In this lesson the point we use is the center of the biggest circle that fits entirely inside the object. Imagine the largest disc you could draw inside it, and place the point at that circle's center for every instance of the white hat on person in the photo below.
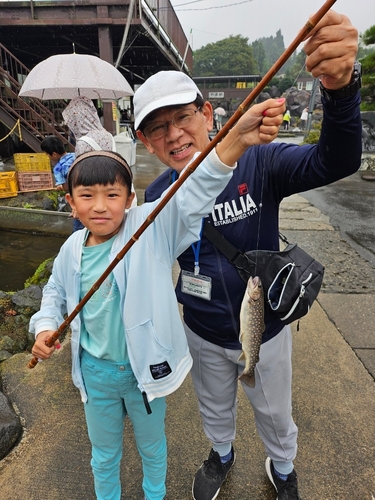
(166, 88)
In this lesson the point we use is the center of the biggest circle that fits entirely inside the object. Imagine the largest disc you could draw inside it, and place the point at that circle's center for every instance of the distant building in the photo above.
(305, 83)
(218, 89)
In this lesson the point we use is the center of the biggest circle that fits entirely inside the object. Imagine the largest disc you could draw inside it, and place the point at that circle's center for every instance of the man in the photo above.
(304, 117)
(246, 213)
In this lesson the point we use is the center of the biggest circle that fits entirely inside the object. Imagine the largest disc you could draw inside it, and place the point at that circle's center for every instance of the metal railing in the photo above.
(36, 118)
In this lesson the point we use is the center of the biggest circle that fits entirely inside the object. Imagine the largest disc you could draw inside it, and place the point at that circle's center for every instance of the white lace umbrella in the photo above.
(220, 111)
(65, 76)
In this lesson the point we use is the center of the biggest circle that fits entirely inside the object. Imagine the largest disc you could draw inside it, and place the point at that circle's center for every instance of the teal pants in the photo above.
(112, 395)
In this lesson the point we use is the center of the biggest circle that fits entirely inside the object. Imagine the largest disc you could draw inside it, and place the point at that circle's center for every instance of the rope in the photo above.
(17, 124)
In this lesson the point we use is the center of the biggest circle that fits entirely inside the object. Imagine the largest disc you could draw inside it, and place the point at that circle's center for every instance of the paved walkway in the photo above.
(334, 402)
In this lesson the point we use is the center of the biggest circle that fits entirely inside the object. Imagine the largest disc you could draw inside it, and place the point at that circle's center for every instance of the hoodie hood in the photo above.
(82, 119)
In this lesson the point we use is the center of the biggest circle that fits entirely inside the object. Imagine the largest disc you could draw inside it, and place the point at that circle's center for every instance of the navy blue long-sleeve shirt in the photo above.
(247, 214)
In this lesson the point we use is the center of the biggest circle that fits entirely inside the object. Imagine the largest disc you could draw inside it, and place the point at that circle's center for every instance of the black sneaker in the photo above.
(286, 490)
(210, 476)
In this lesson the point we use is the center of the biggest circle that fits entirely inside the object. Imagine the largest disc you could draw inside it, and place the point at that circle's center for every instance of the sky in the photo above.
(212, 20)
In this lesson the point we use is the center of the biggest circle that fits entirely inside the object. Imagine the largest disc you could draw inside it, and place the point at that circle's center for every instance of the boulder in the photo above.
(368, 131)
(10, 426)
(28, 298)
(298, 100)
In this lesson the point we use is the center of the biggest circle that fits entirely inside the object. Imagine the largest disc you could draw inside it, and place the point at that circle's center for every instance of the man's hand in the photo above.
(331, 50)
(74, 214)
(40, 350)
(259, 125)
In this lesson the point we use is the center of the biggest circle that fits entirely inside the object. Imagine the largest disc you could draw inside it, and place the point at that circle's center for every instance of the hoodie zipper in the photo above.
(146, 403)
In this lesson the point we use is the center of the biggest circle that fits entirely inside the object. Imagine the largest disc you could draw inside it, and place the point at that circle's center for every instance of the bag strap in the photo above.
(235, 256)
(283, 238)
(95, 146)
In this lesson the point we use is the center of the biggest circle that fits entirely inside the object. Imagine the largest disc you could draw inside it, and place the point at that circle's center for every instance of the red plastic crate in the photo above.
(34, 181)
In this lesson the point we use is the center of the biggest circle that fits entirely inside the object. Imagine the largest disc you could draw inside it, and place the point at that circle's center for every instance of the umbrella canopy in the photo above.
(220, 111)
(65, 76)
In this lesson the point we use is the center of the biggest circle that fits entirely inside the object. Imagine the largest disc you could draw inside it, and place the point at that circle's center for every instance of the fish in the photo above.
(251, 328)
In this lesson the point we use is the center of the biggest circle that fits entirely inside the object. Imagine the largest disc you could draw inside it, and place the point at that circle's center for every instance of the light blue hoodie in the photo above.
(154, 333)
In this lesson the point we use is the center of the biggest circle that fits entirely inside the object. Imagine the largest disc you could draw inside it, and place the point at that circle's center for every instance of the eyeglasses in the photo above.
(181, 119)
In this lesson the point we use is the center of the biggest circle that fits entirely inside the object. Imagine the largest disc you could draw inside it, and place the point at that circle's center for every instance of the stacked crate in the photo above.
(8, 184)
(33, 171)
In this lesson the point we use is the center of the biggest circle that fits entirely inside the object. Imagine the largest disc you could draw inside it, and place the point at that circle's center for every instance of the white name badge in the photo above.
(196, 284)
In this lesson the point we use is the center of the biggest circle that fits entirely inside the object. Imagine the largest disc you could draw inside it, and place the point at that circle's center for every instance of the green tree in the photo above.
(259, 56)
(368, 69)
(363, 51)
(273, 47)
(281, 83)
(231, 56)
(285, 84)
(368, 36)
(235, 56)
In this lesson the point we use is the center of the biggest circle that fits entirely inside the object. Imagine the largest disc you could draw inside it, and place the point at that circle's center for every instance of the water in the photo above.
(20, 256)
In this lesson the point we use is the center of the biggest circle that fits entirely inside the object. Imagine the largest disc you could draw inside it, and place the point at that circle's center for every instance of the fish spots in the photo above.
(251, 328)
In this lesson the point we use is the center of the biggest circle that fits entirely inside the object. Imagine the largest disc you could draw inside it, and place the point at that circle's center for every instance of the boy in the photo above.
(129, 348)
(60, 159)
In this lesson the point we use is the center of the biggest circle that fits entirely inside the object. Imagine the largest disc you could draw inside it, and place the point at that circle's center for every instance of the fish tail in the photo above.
(247, 379)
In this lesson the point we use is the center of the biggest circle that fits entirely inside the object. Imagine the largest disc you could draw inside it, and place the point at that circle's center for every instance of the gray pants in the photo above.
(214, 373)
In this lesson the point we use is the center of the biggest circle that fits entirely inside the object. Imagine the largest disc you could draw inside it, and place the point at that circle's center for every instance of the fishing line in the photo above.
(300, 71)
(260, 216)
(262, 184)
(289, 91)
(309, 25)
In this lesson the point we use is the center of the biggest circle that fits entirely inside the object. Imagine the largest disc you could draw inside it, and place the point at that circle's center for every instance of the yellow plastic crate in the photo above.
(32, 162)
(34, 181)
(8, 184)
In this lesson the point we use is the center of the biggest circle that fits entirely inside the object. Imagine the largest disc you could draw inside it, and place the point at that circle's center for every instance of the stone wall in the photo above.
(16, 310)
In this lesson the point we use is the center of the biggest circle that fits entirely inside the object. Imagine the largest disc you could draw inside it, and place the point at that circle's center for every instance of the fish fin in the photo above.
(242, 357)
(247, 379)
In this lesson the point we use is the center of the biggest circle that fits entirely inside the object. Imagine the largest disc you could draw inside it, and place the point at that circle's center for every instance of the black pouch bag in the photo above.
(291, 278)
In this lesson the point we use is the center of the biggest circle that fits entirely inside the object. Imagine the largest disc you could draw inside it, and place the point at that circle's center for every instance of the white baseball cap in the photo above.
(166, 88)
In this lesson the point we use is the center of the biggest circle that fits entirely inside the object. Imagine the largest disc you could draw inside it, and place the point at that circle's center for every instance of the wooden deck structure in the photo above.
(140, 37)
(35, 30)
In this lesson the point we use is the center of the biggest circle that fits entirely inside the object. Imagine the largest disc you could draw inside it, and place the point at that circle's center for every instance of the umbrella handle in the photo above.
(310, 24)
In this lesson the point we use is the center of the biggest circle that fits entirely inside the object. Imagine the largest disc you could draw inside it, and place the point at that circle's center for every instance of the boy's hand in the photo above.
(259, 125)
(40, 350)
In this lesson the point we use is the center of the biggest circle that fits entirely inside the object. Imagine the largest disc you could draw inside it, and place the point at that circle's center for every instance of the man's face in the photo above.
(179, 145)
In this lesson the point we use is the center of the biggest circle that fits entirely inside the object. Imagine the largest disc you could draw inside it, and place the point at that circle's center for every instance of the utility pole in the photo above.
(311, 106)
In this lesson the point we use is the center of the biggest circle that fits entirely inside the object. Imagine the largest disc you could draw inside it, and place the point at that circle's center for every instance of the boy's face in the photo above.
(100, 209)
(179, 145)
(54, 158)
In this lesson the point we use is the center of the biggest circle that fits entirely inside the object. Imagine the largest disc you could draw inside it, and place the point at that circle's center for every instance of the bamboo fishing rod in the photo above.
(243, 107)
